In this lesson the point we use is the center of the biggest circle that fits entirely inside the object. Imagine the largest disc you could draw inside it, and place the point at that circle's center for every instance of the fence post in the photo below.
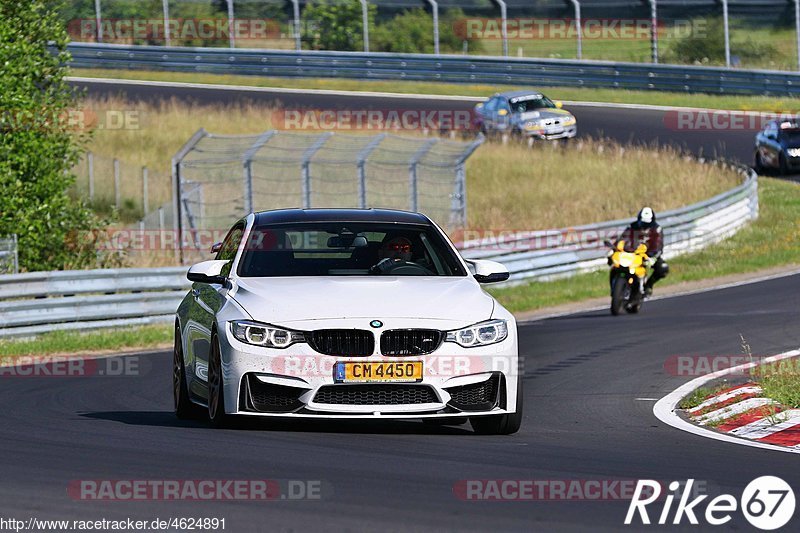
(145, 200)
(365, 23)
(654, 30)
(98, 19)
(16, 253)
(296, 14)
(231, 38)
(177, 161)
(248, 168)
(727, 33)
(577, 8)
(503, 25)
(413, 185)
(161, 220)
(305, 164)
(435, 9)
(797, 29)
(117, 186)
(165, 6)
(90, 164)
(362, 173)
(458, 207)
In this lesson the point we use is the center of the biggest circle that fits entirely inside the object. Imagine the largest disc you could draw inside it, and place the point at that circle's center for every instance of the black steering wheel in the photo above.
(401, 268)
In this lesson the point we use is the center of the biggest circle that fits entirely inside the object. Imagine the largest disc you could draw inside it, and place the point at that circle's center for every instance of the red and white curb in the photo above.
(739, 414)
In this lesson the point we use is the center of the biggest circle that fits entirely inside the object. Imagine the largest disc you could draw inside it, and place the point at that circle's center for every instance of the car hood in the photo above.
(292, 299)
(543, 113)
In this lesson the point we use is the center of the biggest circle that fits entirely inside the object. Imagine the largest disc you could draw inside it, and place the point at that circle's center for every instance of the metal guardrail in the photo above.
(444, 68)
(549, 254)
(38, 302)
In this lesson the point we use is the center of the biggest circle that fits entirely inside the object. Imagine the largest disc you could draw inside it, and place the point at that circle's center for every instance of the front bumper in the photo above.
(553, 133)
(298, 382)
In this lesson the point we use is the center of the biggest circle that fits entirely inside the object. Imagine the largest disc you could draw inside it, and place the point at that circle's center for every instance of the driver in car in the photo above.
(395, 250)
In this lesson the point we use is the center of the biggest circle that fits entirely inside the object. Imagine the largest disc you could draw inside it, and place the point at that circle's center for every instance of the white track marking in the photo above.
(665, 408)
(732, 410)
(767, 426)
(726, 396)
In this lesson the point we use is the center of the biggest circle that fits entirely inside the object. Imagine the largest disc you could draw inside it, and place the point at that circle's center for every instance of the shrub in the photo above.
(38, 146)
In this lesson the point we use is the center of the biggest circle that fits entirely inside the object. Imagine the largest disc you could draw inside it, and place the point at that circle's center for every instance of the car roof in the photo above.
(515, 94)
(283, 216)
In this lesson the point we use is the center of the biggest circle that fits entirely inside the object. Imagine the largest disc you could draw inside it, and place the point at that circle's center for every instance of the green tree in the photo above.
(38, 142)
(412, 32)
(706, 44)
(335, 26)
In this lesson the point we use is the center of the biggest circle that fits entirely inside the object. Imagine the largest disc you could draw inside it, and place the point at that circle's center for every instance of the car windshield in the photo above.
(792, 135)
(348, 249)
(529, 103)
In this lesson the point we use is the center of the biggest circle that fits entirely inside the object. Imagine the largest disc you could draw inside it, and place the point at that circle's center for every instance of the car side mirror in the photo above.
(208, 272)
(489, 271)
(559, 104)
(216, 247)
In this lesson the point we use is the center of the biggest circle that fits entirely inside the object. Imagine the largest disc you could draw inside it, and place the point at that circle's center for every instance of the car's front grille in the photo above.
(480, 396)
(344, 342)
(375, 394)
(271, 398)
(410, 341)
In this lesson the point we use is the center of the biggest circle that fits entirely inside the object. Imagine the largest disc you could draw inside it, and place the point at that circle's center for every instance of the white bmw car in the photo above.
(346, 313)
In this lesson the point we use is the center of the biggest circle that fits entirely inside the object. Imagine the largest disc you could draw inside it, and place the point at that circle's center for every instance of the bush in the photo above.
(412, 32)
(37, 144)
(708, 45)
(336, 26)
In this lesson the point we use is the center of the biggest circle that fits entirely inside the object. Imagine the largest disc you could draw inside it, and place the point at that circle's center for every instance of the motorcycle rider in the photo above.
(645, 230)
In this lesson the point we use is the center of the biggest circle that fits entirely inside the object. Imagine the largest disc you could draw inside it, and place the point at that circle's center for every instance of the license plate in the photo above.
(405, 372)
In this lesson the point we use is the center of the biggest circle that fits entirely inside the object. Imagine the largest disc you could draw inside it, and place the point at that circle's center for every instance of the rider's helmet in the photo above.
(646, 216)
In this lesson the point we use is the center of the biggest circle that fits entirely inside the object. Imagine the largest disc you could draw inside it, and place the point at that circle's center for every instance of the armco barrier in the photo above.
(38, 302)
(44, 301)
(549, 254)
(445, 68)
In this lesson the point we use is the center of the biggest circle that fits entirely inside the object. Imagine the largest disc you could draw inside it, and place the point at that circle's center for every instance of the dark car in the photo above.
(527, 114)
(778, 147)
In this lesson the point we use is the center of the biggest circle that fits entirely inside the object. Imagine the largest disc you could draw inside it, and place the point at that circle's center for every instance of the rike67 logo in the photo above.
(767, 503)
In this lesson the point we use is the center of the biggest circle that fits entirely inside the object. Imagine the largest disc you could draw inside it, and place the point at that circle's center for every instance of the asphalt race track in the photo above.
(590, 384)
(584, 376)
(625, 125)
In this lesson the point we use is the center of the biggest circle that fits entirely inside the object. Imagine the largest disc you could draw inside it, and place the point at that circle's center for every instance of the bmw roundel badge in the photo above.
(376, 324)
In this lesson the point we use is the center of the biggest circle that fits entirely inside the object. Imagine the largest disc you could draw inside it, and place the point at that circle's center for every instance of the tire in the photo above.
(500, 424)
(618, 296)
(216, 388)
(783, 167)
(758, 165)
(184, 408)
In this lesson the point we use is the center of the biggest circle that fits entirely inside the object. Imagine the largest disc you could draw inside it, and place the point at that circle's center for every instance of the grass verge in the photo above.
(770, 241)
(780, 381)
(711, 101)
(73, 342)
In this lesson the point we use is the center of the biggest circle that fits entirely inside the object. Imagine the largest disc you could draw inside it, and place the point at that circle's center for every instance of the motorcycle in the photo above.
(628, 275)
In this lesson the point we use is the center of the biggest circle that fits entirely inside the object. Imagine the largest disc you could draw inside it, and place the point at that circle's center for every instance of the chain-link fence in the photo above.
(9, 259)
(222, 177)
(736, 33)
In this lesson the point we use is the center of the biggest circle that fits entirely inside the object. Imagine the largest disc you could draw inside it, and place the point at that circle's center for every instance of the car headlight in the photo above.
(793, 152)
(265, 335)
(569, 121)
(490, 332)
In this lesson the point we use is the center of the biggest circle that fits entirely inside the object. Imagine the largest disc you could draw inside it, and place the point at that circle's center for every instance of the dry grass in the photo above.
(510, 186)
